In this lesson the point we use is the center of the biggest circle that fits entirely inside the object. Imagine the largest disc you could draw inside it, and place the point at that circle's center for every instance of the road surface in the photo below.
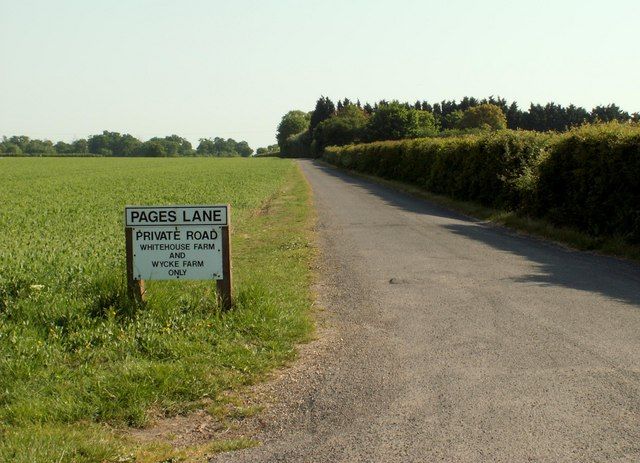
(461, 342)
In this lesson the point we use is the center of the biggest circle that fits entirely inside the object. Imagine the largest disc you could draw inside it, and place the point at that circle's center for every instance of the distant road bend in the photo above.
(461, 342)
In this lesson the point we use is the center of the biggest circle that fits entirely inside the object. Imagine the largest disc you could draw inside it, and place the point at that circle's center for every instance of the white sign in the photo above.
(177, 242)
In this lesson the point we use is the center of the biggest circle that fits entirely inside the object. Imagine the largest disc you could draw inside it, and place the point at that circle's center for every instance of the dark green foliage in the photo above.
(608, 113)
(347, 126)
(116, 144)
(174, 145)
(541, 118)
(152, 148)
(324, 110)
(452, 120)
(297, 146)
(271, 150)
(587, 178)
(113, 144)
(23, 145)
(221, 147)
(292, 123)
(396, 121)
(591, 180)
(80, 146)
(10, 149)
(64, 148)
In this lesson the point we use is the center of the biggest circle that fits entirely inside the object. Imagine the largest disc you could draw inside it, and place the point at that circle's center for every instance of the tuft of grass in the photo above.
(229, 445)
(614, 246)
(73, 349)
(159, 452)
(233, 408)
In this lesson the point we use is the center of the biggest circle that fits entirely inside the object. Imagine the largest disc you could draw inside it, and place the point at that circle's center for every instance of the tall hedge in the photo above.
(588, 177)
(494, 169)
(591, 180)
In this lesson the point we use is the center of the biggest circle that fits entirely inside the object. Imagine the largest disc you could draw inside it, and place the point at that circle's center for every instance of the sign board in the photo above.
(177, 242)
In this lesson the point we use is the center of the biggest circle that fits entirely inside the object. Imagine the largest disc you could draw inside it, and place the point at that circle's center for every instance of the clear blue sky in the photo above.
(71, 68)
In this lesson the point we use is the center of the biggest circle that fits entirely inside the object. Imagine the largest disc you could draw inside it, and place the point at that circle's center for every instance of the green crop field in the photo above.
(79, 363)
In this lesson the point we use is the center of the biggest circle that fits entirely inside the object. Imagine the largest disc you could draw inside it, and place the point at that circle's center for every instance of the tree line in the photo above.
(308, 133)
(117, 144)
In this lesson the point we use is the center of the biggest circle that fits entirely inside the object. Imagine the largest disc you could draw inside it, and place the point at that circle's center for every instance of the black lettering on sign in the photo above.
(165, 263)
(202, 215)
(153, 216)
(204, 246)
(153, 235)
(193, 263)
(202, 235)
(177, 255)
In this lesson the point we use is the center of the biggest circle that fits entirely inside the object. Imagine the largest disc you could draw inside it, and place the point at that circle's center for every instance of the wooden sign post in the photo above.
(135, 287)
(225, 299)
(179, 243)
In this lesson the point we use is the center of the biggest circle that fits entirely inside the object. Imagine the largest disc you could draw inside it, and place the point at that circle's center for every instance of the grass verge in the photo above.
(566, 236)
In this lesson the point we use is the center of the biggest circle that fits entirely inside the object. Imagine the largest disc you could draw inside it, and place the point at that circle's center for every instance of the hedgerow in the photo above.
(588, 177)
(591, 180)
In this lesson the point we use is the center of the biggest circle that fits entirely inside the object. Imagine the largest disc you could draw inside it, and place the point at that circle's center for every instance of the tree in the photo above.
(395, 121)
(534, 118)
(347, 126)
(514, 116)
(452, 120)
(21, 141)
(292, 123)
(12, 149)
(575, 116)
(486, 115)
(63, 148)
(265, 150)
(609, 113)
(466, 103)
(154, 148)
(178, 146)
(172, 145)
(496, 101)
(39, 147)
(244, 149)
(113, 144)
(205, 147)
(80, 146)
(324, 110)
(221, 147)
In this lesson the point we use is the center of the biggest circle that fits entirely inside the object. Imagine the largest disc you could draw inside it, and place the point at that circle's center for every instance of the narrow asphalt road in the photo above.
(461, 342)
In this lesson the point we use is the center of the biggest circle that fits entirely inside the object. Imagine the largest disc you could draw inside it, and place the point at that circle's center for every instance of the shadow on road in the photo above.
(614, 278)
